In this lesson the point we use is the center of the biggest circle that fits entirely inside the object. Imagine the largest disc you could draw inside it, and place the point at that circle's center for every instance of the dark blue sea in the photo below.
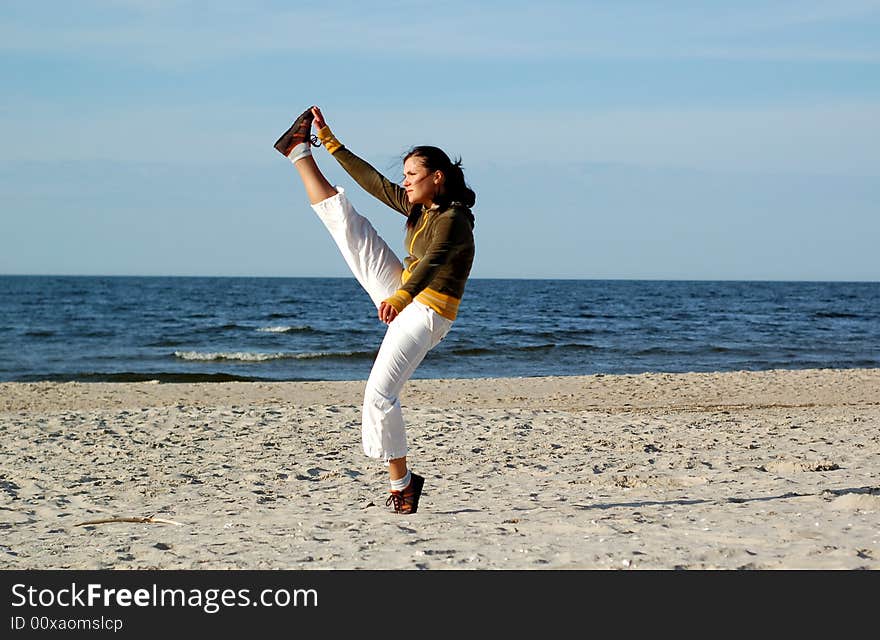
(203, 329)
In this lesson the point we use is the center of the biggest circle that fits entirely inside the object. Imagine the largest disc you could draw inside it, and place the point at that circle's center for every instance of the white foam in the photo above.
(243, 356)
(249, 356)
(284, 329)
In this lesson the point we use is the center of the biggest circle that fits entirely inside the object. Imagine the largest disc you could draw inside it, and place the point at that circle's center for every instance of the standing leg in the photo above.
(409, 338)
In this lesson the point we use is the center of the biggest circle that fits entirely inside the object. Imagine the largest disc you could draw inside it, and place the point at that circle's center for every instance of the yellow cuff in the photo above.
(329, 140)
(399, 300)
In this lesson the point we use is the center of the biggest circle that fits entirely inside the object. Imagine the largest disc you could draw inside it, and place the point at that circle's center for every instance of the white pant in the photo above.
(415, 331)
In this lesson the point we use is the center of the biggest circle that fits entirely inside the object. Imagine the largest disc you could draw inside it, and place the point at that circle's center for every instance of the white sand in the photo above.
(766, 470)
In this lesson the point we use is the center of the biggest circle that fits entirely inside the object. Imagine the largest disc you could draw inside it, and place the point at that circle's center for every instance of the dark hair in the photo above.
(455, 189)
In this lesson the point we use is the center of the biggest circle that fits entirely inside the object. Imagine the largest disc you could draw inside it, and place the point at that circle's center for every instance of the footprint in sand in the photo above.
(863, 499)
(675, 482)
(783, 467)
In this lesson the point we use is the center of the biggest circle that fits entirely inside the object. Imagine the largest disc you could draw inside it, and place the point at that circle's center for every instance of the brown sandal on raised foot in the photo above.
(300, 131)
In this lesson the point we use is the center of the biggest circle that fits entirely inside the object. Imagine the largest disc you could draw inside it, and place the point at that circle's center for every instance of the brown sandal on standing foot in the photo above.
(407, 500)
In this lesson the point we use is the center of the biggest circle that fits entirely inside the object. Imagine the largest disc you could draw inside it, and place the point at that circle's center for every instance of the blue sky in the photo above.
(679, 140)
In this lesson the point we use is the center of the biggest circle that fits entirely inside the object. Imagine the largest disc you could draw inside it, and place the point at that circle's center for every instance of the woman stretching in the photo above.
(418, 299)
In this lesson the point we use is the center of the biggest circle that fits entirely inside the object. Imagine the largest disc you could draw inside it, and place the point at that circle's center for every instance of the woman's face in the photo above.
(420, 184)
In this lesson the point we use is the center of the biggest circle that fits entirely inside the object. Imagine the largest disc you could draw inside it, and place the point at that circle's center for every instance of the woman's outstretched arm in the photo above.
(364, 174)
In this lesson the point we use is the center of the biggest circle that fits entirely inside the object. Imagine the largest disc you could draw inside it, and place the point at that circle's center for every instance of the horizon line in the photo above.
(572, 278)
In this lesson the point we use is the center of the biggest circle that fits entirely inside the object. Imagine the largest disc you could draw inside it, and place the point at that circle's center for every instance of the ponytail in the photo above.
(456, 188)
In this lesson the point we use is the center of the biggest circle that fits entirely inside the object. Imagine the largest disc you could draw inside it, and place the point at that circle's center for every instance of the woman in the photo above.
(418, 299)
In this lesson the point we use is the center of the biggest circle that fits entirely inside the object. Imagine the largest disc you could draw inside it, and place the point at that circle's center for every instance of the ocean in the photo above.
(191, 329)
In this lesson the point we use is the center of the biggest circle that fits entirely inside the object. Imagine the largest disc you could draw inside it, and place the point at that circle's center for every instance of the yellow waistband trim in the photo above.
(445, 305)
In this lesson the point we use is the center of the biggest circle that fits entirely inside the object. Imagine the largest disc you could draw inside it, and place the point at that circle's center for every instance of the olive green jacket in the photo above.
(440, 244)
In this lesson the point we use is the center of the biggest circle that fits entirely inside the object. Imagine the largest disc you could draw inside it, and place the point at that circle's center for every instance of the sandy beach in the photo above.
(743, 470)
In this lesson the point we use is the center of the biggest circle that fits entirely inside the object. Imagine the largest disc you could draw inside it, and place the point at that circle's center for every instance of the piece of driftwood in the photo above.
(147, 520)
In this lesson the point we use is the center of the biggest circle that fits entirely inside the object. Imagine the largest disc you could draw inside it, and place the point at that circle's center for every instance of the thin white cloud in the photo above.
(831, 139)
(181, 33)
